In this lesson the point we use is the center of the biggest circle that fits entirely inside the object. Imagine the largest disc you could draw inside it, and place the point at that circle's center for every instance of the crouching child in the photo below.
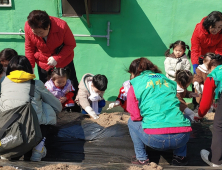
(90, 94)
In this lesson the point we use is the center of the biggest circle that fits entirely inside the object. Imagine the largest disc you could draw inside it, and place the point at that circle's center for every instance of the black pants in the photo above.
(72, 77)
(216, 145)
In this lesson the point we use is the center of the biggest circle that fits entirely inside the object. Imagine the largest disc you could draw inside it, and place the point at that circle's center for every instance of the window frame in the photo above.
(7, 5)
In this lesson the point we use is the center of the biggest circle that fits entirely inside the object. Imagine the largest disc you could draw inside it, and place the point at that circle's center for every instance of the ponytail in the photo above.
(63, 72)
(187, 47)
(184, 77)
(168, 51)
(182, 44)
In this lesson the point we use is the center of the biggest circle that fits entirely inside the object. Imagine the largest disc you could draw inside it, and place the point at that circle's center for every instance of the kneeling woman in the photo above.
(15, 92)
(156, 119)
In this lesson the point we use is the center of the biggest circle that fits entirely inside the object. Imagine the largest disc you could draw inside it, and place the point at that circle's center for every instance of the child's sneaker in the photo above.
(139, 162)
(179, 160)
(38, 155)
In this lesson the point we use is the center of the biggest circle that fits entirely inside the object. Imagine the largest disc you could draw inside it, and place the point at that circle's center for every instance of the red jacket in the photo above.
(122, 98)
(203, 42)
(207, 97)
(36, 50)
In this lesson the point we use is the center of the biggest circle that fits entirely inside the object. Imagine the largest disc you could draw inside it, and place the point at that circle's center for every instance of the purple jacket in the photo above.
(57, 92)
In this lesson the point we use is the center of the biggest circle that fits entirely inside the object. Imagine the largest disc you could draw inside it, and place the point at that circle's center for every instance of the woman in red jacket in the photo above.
(207, 37)
(49, 43)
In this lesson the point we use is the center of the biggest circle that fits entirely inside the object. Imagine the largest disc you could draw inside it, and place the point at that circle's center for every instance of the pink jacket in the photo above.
(36, 50)
(57, 92)
(203, 42)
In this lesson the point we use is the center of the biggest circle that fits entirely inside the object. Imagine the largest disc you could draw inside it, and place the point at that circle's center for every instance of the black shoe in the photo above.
(179, 160)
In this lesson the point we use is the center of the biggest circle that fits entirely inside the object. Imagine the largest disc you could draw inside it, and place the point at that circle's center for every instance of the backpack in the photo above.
(19, 129)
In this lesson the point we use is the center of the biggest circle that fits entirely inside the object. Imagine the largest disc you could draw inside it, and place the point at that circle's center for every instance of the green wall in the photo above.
(144, 28)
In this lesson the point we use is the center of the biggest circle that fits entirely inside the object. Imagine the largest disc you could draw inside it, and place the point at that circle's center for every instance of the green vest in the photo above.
(216, 74)
(158, 104)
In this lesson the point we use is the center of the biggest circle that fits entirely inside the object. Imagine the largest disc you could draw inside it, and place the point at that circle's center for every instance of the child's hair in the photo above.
(215, 61)
(141, 64)
(1, 68)
(182, 44)
(203, 58)
(63, 72)
(7, 54)
(183, 77)
(100, 82)
(211, 19)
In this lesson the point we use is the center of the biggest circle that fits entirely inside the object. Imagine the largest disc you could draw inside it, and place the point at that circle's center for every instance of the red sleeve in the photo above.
(195, 46)
(219, 48)
(132, 105)
(69, 95)
(207, 97)
(69, 44)
(30, 48)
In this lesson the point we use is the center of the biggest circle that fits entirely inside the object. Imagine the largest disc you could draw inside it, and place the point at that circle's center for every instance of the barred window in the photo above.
(77, 7)
(5, 3)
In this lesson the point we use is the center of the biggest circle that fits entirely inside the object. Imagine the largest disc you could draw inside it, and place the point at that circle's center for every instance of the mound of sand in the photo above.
(105, 119)
(60, 167)
(109, 119)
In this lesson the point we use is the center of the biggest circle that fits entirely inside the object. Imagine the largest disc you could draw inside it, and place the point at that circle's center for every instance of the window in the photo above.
(5, 3)
(77, 7)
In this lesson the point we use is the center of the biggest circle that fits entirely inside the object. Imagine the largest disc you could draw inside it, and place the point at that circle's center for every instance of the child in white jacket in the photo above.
(177, 60)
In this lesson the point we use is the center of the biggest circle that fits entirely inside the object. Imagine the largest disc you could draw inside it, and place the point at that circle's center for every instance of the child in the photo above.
(184, 79)
(201, 75)
(177, 60)
(5, 56)
(212, 91)
(90, 94)
(61, 87)
(121, 99)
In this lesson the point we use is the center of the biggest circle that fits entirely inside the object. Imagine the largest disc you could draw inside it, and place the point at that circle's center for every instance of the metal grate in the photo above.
(77, 7)
(104, 6)
(4, 2)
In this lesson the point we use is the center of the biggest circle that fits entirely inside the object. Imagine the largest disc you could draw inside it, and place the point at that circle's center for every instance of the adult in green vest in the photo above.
(212, 91)
(156, 119)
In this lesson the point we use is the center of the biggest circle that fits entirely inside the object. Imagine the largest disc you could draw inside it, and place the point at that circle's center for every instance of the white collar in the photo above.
(203, 68)
(179, 89)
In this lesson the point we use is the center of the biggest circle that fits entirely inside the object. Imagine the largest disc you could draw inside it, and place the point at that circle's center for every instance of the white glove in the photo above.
(172, 73)
(189, 113)
(52, 61)
(91, 112)
(197, 86)
(197, 117)
(114, 104)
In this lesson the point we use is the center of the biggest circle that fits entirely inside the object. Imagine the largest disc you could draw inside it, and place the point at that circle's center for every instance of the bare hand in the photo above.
(62, 99)
(193, 95)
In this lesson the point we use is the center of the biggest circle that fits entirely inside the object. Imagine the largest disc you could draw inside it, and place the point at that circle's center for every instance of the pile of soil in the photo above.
(152, 166)
(60, 167)
(209, 116)
(109, 119)
(65, 119)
